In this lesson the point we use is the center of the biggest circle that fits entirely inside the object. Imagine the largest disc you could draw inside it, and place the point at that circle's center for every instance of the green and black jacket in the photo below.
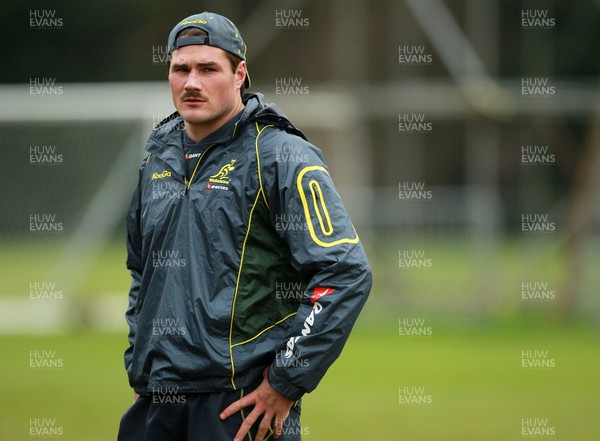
(252, 262)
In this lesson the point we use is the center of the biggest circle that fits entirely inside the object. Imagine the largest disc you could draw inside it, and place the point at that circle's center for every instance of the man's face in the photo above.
(203, 86)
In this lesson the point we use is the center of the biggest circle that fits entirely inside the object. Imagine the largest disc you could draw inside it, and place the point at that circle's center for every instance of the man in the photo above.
(247, 272)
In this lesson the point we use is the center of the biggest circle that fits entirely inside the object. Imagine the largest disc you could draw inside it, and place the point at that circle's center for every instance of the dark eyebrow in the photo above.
(207, 64)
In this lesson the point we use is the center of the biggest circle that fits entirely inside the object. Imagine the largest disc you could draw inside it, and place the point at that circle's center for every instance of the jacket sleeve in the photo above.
(325, 246)
(134, 265)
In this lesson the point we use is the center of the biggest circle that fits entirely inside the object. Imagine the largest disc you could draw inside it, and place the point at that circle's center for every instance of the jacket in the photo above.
(251, 263)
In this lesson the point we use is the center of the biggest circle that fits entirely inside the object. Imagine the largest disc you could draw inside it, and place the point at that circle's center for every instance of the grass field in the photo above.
(468, 371)
(473, 377)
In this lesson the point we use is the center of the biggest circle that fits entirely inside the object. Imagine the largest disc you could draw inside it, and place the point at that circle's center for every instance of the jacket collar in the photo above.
(166, 139)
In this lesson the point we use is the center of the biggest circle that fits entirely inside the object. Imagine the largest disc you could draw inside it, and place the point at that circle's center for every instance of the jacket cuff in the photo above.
(286, 389)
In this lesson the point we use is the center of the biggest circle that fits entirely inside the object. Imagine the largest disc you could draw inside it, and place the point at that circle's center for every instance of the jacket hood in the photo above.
(271, 114)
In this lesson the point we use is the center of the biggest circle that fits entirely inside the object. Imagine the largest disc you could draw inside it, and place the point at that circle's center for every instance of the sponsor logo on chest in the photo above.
(222, 179)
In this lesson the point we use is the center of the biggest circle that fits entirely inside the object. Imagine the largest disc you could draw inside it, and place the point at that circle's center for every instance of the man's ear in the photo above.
(240, 73)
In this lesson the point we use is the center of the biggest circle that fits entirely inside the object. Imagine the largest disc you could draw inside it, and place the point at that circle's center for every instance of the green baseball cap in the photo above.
(222, 33)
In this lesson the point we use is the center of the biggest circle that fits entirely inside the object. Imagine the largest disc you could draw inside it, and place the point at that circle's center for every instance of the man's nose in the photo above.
(193, 81)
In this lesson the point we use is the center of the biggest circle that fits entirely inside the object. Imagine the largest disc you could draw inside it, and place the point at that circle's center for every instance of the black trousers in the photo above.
(195, 417)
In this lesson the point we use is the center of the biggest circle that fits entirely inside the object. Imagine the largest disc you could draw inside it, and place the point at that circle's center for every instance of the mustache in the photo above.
(194, 95)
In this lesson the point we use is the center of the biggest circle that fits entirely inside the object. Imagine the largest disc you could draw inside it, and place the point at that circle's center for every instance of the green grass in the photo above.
(470, 366)
(478, 389)
(24, 262)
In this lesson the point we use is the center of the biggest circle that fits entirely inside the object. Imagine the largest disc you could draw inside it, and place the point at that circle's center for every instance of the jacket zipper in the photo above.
(189, 183)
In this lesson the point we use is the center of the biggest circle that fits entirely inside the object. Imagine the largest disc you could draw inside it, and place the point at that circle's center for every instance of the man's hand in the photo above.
(267, 401)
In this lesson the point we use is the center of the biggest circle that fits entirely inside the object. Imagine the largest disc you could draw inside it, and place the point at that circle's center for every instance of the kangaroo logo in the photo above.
(223, 176)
